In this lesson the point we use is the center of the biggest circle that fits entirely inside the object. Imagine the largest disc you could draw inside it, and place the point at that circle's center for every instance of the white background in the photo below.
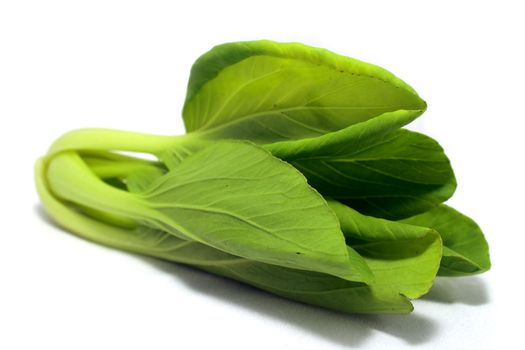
(71, 64)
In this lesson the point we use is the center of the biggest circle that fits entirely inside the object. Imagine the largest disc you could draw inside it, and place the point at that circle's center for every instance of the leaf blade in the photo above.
(358, 227)
(374, 167)
(407, 266)
(266, 91)
(404, 258)
(466, 249)
(237, 198)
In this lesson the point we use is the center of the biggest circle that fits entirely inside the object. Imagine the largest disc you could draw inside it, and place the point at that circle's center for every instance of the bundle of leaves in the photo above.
(295, 176)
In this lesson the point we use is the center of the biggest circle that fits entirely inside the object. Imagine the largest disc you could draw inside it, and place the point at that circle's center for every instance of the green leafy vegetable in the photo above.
(295, 177)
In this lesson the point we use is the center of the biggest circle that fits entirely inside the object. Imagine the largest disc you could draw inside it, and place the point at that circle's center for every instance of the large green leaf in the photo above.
(233, 196)
(238, 198)
(266, 91)
(374, 167)
(465, 251)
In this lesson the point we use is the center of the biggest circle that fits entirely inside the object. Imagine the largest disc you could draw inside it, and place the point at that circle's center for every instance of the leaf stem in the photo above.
(94, 139)
(66, 216)
(71, 179)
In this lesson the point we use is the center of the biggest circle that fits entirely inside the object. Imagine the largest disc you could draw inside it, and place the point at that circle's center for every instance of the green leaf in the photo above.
(403, 257)
(266, 91)
(406, 266)
(236, 197)
(373, 167)
(465, 251)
